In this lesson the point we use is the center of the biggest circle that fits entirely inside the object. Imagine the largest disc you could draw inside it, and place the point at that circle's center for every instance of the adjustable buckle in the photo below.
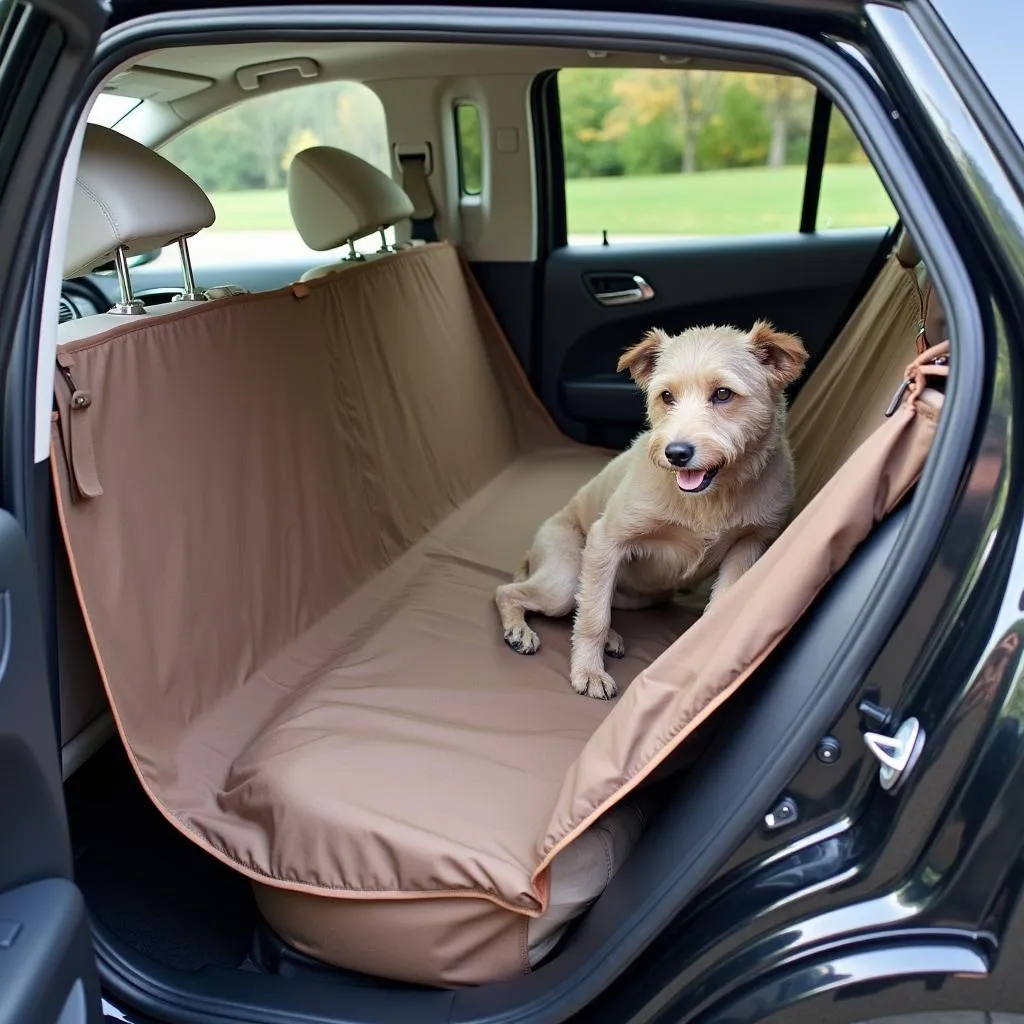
(897, 398)
(905, 385)
(79, 399)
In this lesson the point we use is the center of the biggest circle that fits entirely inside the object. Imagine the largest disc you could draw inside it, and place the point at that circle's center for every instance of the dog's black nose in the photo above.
(679, 453)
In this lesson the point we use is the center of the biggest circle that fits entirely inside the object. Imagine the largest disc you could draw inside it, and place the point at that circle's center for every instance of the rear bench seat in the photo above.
(286, 514)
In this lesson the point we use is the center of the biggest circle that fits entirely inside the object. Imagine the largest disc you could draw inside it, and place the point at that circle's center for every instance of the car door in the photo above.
(47, 968)
(679, 197)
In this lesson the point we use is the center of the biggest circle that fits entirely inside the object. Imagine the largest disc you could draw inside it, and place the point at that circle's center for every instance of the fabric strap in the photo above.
(414, 181)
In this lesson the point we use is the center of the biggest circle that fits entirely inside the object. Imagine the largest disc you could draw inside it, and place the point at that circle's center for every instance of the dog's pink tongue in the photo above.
(689, 479)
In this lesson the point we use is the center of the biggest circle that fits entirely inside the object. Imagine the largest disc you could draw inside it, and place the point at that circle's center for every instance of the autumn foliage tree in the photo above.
(654, 120)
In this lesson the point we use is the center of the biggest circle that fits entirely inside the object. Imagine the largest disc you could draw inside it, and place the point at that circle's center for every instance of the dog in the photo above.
(706, 488)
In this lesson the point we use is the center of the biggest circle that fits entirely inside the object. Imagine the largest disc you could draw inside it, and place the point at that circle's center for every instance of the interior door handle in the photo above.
(640, 291)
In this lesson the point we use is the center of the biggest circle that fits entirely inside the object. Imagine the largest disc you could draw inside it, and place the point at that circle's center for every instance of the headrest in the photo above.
(127, 195)
(906, 251)
(336, 197)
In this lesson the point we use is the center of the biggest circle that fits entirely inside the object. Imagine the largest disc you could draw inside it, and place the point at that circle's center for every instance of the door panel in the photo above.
(47, 965)
(594, 309)
(46, 960)
(46, 955)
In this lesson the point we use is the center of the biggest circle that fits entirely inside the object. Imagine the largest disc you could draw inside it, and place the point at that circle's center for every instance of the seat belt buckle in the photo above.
(939, 360)
(406, 151)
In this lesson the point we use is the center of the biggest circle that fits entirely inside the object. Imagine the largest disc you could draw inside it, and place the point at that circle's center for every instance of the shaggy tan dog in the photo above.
(708, 487)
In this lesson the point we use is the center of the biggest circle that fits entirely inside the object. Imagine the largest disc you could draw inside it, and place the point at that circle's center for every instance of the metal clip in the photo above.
(65, 372)
(79, 399)
(898, 397)
(783, 813)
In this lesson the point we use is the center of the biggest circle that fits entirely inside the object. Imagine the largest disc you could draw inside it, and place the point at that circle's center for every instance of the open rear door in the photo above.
(47, 967)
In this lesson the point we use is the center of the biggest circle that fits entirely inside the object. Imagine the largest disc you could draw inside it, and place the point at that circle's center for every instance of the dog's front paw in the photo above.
(614, 646)
(522, 639)
(593, 683)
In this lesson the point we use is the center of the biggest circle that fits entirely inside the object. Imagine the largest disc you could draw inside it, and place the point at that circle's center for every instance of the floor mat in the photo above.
(146, 883)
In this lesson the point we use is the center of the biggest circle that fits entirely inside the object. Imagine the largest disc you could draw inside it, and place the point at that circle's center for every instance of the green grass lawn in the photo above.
(734, 202)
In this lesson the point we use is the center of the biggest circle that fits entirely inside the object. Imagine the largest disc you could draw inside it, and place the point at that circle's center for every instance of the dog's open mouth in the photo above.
(693, 481)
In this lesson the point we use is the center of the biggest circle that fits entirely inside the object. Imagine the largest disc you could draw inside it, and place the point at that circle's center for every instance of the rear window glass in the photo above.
(241, 155)
(469, 142)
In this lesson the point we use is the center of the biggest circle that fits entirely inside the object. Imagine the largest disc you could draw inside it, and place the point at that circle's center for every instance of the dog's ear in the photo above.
(641, 358)
(783, 355)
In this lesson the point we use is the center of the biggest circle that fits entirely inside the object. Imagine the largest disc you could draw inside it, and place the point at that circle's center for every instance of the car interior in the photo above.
(304, 773)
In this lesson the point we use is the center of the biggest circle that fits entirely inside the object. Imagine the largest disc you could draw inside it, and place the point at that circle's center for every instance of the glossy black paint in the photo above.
(876, 903)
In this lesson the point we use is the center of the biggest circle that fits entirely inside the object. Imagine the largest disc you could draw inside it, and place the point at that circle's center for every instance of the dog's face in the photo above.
(712, 396)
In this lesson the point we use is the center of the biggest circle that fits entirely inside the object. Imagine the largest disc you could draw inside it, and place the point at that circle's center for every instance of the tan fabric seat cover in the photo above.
(307, 498)
(841, 402)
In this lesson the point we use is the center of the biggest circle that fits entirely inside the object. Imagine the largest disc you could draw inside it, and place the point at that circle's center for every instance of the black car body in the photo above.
(864, 902)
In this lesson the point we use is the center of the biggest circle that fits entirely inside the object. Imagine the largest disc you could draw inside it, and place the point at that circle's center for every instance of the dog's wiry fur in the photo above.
(642, 529)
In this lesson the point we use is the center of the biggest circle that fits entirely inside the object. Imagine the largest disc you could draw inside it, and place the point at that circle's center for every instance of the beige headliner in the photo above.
(366, 61)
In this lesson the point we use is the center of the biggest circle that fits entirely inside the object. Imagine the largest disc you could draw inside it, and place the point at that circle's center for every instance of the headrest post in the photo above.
(352, 254)
(190, 293)
(383, 241)
(129, 305)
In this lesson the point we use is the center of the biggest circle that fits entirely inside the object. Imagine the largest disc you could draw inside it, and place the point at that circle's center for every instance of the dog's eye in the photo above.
(721, 395)
(667, 397)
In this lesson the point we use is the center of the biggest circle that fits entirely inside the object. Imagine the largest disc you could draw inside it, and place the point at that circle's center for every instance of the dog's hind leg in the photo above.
(553, 565)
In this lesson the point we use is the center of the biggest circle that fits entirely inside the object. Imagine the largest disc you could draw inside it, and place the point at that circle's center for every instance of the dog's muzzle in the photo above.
(693, 481)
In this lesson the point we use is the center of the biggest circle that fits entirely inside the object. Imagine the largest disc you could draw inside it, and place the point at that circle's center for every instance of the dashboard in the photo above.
(81, 297)
(87, 296)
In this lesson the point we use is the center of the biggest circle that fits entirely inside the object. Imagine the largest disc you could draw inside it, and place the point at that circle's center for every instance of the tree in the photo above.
(683, 99)
(250, 145)
(788, 101)
(301, 139)
(738, 135)
(696, 93)
(843, 147)
(586, 98)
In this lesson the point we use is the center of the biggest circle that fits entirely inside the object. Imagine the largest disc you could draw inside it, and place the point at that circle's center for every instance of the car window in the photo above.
(469, 146)
(852, 195)
(108, 109)
(652, 153)
(240, 156)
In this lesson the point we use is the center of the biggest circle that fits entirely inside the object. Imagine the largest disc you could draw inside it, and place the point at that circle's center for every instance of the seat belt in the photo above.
(414, 181)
